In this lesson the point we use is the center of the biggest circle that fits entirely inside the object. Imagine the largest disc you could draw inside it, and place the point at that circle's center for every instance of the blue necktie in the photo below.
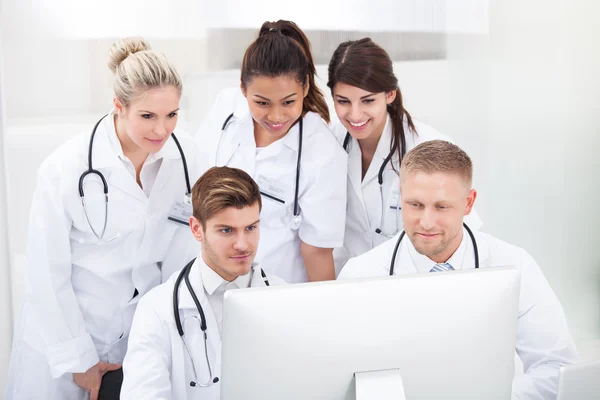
(441, 268)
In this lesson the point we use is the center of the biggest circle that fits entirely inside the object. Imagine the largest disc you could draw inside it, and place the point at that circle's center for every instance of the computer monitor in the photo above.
(579, 381)
(447, 335)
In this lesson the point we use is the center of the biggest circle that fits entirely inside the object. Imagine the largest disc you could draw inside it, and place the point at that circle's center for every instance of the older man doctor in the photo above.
(436, 194)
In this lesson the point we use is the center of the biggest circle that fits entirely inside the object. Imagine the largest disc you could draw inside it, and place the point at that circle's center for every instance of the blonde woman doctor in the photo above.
(91, 257)
(376, 131)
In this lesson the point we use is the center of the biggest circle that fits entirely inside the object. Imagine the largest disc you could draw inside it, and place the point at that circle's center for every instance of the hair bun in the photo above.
(123, 48)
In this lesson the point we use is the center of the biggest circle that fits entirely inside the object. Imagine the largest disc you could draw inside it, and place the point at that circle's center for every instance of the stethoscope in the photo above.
(475, 250)
(93, 171)
(296, 217)
(185, 275)
(380, 230)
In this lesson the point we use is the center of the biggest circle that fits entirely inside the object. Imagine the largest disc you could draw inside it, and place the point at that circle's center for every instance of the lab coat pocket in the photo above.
(118, 349)
(277, 202)
(392, 212)
(109, 217)
(158, 237)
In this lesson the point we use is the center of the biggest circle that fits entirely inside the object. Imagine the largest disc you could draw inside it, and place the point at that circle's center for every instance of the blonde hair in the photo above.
(137, 68)
(438, 156)
(220, 188)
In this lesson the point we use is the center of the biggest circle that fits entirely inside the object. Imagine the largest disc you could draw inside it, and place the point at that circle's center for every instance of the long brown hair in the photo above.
(363, 64)
(281, 48)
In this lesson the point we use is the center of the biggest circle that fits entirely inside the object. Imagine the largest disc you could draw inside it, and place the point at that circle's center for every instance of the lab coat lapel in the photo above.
(104, 155)
(238, 148)
(483, 248)
(170, 168)
(228, 146)
(404, 263)
(382, 151)
(355, 169)
(188, 309)
(257, 279)
(120, 179)
(105, 158)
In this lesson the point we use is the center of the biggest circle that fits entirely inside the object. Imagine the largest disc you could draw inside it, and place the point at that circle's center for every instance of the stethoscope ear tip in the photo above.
(215, 380)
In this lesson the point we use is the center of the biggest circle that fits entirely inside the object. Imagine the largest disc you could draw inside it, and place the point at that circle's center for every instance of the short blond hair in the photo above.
(438, 156)
(220, 188)
(137, 68)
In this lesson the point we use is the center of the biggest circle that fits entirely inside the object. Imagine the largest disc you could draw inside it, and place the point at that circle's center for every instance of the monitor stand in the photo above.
(381, 385)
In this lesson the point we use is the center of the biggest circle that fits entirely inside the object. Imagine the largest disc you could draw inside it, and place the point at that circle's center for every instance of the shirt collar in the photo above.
(106, 149)
(111, 132)
(213, 281)
(195, 277)
(424, 264)
(291, 138)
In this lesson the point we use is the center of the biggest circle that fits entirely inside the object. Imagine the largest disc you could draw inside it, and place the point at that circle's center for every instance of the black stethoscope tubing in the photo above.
(296, 190)
(475, 249)
(91, 169)
(185, 275)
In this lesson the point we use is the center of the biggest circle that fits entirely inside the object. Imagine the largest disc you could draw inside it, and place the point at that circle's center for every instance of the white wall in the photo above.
(191, 18)
(5, 281)
(523, 102)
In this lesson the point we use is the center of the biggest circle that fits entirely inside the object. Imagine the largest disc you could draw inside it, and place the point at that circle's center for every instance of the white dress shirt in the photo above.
(424, 264)
(215, 287)
(150, 167)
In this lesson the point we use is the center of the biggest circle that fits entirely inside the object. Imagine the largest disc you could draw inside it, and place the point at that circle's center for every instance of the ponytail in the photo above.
(397, 115)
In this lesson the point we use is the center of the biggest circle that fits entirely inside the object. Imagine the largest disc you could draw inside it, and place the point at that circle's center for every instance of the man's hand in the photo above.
(92, 379)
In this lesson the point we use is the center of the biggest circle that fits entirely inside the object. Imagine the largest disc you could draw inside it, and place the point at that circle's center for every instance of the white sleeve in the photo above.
(543, 340)
(323, 202)
(338, 130)
(146, 368)
(341, 255)
(359, 268)
(350, 270)
(184, 247)
(209, 135)
(58, 319)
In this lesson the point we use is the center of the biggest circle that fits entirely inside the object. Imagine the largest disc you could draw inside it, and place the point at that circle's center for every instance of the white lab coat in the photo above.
(322, 189)
(543, 340)
(157, 366)
(363, 214)
(78, 303)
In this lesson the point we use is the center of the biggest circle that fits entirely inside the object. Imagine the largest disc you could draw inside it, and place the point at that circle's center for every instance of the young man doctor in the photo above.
(436, 195)
(160, 363)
